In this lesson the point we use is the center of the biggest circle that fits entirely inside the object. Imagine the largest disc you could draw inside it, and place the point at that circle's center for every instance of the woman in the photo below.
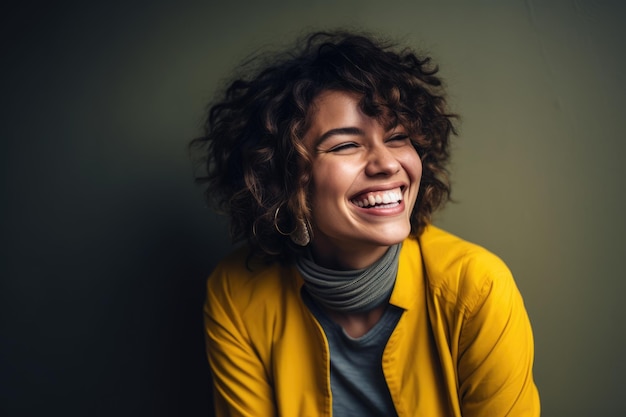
(344, 300)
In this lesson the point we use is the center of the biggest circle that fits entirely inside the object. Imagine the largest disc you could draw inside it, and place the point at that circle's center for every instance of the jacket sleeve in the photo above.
(240, 381)
(496, 349)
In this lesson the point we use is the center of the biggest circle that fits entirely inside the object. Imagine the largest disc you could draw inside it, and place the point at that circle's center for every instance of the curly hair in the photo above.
(255, 166)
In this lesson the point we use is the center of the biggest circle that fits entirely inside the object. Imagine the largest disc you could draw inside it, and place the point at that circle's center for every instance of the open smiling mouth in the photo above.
(379, 199)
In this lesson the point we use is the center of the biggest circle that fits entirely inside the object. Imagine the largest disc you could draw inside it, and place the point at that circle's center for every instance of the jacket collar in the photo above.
(410, 280)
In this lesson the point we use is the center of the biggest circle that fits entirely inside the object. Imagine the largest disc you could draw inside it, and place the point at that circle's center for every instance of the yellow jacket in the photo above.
(463, 346)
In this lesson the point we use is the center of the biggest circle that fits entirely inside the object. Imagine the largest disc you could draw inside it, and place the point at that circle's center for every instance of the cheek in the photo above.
(412, 165)
(324, 190)
(334, 178)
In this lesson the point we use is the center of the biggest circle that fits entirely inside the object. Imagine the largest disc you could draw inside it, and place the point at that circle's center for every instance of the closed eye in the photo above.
(398, 140)
(343, 147)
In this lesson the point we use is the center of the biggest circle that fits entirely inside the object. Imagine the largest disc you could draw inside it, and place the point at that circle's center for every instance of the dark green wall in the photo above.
(106, 242)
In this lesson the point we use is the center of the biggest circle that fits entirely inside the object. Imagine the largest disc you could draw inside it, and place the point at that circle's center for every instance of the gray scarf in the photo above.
(351, 291)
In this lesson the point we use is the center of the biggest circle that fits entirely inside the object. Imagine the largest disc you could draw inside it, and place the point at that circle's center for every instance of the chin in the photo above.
(392, 237)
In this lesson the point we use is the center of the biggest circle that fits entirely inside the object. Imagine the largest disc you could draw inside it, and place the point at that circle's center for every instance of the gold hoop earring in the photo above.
(276, 223)
(300, 235)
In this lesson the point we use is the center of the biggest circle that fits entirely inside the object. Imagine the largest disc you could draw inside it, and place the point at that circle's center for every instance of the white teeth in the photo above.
(386, 197)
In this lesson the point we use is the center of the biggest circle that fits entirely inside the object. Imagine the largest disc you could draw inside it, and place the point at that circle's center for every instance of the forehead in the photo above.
(333, 109)
(331, 104)
(339, 107)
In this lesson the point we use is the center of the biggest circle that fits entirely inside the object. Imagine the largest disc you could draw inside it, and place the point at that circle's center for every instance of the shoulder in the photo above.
(461, 272)
(240, 280)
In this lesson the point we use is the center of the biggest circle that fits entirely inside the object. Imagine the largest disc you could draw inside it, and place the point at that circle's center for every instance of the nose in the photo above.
(381, 161)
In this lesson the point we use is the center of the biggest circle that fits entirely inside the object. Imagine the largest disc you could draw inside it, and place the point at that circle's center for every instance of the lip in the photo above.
(380, 188)
(382, 211)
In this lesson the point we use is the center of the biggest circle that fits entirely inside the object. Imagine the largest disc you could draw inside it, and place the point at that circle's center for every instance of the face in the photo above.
(365, 182)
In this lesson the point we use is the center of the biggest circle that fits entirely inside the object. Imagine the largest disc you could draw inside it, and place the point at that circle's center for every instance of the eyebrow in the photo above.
(338, 131)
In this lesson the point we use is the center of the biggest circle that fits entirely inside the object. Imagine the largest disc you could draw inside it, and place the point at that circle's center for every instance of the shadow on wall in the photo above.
(112, 325)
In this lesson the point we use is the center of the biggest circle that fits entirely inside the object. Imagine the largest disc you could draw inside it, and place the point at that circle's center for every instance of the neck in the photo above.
(357, 257)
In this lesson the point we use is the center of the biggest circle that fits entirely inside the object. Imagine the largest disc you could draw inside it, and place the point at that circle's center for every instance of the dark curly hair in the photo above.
(252, 157)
